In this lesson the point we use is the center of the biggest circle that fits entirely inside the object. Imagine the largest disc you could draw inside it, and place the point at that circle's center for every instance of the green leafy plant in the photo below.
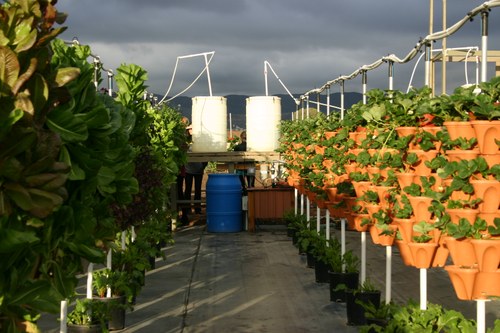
(424, 229)
(494, 230)
(464, 229)
(410, 318)
(88, 312)
(403, 210)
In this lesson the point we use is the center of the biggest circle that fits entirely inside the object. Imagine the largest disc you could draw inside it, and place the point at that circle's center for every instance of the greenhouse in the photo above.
(383, 216)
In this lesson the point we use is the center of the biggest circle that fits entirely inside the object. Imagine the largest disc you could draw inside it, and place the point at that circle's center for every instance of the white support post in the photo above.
(63, 322)
(363, 257)
(90, 269)
(301, 204)
(328, 100)
(423, 289)
(342, 88)
(484, 46)
(388, 274)
(481, 315)
(391, 75)
(318, 220)
(327, 226)
(124, 237)
(364, 83)
(108, 265)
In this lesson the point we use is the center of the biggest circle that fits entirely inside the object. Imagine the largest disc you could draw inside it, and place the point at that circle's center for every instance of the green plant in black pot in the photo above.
(295, 223)
(134, 263)
(344, 274)
(120, 297)
(89, 314)
(356, 299)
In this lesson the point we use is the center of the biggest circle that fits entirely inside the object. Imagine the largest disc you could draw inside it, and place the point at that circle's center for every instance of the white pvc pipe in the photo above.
(90, 269)
(208, 74)
(328, 100)
(63, 325)
(318, 219)
(391, 75)
(124, 236)
(484, 46)
(108, 265)
(363, 257)
(342, 239)
(388, 274)
(481, 315)
(364, 84)
(423, 289)
(265, 79)
(307, 107)
(133, 235)
(427, 66)
(342, 99)
(327, 225)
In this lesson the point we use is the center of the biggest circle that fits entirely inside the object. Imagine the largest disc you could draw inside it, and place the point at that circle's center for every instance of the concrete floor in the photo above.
(257, 282)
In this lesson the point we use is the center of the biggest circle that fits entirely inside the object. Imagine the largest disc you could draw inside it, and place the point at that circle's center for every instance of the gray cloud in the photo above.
(307, 42)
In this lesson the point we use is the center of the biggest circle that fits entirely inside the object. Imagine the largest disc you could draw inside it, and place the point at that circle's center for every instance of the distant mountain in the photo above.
(236, 105)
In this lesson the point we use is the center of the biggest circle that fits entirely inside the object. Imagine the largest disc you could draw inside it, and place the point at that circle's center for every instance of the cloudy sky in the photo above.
(307, 42)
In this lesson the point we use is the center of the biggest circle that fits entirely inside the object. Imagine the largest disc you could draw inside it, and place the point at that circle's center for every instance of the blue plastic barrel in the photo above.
(223, 192)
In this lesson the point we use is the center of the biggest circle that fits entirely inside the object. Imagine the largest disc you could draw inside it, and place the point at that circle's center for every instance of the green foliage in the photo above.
(423, 228)
(158, 135)
(464, 229)
(116, 281)
(494, 230)
(89, 312)
(403, 211)
(435, 318)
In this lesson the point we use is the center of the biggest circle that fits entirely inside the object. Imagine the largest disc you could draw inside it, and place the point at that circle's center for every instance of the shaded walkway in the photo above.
(257, 282)
(234, 282)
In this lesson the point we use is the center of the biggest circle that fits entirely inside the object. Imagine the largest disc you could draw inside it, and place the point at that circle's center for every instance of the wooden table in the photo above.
(268, 203)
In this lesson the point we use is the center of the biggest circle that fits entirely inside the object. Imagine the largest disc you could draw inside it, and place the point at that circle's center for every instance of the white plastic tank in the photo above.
(263, 117)
(209, 120)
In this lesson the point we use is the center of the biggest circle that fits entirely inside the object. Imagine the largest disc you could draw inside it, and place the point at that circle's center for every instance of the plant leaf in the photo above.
(69, 127)
(9, 69)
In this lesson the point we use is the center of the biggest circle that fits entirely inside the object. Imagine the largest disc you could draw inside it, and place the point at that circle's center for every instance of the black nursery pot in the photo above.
(355, 311)
(311, 261)
(346, 280)
(116, 306)
(321, 272)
